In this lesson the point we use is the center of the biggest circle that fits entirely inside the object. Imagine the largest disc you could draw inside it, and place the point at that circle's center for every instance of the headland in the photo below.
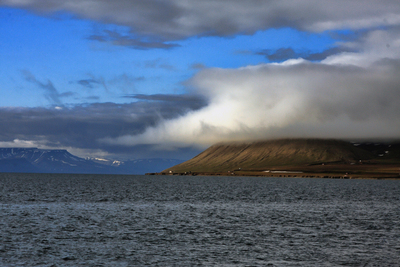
(314, 158)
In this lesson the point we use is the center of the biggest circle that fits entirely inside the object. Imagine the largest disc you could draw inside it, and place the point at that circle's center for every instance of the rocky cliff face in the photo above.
(263, 154)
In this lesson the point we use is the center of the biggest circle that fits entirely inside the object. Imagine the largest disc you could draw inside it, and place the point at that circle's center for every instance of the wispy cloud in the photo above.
(51, 92)
(191, 101)
(88, 82)
(283, 54)
(158, 63)
(280, 54)
(123, 80)
(115, 38)
(197, 66)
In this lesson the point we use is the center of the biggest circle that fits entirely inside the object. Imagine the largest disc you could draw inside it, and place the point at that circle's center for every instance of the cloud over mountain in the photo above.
(347, 89)
(292, 99)
(348, 95)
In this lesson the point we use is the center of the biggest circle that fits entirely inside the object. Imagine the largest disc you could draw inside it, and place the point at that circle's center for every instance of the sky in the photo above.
(129, 79)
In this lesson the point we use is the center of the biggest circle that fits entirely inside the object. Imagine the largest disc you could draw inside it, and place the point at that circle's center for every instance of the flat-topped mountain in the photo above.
(262, 155)
(46, 160)
(34, 160)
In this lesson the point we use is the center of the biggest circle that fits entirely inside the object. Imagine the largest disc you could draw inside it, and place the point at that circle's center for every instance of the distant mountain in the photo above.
(284, 152)
(34, 160)
(46, 161)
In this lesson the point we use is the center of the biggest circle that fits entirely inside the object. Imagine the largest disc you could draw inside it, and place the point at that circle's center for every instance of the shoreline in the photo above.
(282, 175)
(334, 170)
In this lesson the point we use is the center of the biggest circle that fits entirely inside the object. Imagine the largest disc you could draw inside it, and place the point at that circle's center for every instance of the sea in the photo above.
(137, 220)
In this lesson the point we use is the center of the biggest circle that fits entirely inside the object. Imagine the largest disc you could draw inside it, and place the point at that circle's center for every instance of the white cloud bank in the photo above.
(349, 95)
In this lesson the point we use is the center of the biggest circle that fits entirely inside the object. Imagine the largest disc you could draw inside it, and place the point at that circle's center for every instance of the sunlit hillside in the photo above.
(264, 154)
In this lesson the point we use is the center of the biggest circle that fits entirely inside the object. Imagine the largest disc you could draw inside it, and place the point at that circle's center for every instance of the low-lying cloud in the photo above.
(288, 100)
(347, 95)
(79, 128)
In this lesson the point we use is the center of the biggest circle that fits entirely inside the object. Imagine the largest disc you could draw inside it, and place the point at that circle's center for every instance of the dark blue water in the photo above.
(105, 220)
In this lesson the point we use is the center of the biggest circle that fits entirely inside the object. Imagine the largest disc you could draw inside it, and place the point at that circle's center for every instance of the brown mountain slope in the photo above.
(264, 154)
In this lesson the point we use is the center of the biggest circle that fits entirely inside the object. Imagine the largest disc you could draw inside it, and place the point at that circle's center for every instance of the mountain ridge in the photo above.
(279, 153)
(35, 160)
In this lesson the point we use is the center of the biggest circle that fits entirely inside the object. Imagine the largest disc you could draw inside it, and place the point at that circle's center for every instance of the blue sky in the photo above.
(57, 48)
(134, 79)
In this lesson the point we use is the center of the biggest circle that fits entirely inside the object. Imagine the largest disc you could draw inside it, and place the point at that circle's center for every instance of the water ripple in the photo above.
(98, 220)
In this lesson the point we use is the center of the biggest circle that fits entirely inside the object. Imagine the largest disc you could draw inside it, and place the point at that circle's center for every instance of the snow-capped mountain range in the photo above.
(36, 160)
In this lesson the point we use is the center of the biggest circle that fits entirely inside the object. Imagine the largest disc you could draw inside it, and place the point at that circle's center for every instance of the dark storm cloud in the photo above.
(158, 21)
(82, 126)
